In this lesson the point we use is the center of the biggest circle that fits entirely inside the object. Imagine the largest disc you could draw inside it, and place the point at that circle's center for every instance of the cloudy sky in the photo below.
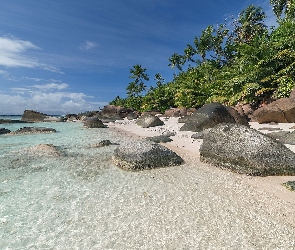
(71, 56)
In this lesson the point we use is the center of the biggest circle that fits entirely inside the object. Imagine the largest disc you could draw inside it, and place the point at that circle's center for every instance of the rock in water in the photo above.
(141, 154)
(43, 150)
(246, 151)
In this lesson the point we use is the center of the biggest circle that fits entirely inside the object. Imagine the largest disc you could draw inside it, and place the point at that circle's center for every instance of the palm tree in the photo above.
(285, 7)
(249, 24)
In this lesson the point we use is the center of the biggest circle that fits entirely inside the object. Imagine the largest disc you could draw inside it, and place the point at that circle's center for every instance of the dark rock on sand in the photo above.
(159, 138)
(94, 123)
(290, 185)
(281, 110)
(246, 151)
(4, 131)
(142, 154)
(33, 130)
(148, 120)
(207, 117)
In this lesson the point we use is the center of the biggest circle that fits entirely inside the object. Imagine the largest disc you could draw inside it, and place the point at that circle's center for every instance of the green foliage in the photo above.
(246, 63)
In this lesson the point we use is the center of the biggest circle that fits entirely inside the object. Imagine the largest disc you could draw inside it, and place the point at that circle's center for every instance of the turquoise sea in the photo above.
(83, 201)
(54, 202)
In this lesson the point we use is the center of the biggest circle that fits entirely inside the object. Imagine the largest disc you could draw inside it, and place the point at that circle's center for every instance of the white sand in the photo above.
(259, 209)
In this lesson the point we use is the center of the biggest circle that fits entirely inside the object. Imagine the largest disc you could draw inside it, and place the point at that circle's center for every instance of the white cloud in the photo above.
(12, 52)
(55, 102)
(50, 86)
(88, 45)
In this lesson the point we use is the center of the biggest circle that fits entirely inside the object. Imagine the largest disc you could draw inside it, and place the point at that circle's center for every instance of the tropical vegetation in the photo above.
(239, 62)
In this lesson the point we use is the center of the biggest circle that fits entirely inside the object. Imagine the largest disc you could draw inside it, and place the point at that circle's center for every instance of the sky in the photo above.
(72, 56)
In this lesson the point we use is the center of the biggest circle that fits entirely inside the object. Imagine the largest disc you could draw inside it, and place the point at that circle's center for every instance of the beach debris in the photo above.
(207, 117)
(281, 111)
(246, 151)
(32, 130)
(94, 122)
(142, 154)
(289, 185)
(4, 131)
(149, 120)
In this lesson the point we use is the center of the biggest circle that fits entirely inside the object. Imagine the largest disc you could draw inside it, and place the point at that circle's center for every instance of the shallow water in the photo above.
(82, 201)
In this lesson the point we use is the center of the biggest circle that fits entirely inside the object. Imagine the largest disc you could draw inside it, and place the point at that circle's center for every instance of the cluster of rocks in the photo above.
(33, 130)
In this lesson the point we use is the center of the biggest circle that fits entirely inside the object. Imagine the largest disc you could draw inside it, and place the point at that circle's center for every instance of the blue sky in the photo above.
(70, 56)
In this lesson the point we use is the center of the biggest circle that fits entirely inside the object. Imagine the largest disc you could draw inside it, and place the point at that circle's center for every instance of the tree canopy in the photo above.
(241, 62)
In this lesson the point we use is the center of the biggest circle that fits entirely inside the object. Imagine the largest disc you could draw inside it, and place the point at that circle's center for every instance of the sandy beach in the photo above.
(267, 193)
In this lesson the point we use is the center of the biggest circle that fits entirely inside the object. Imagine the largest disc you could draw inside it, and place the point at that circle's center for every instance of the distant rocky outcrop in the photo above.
(142, 154)
(10, 121)
(208, 116)
(94, 122)
(246, 151)
(4, 131)
(159, 139)
(148, 120)
(116, 112)
(281, 111)
(33, 130)
(33, 116)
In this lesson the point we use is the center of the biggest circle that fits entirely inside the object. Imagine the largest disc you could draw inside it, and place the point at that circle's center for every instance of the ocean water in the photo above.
(83, 201)
(53, 202)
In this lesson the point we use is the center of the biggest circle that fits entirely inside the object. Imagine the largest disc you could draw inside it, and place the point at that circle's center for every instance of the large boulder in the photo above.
(207, 117)
(33, 116)
(94, 122)
(239, 118)
(142, 154)
(149, 120)
(246, 151)
(281, 110)
(284, 137)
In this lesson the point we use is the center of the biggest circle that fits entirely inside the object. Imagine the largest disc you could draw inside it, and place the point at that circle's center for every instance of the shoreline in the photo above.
(188, 148)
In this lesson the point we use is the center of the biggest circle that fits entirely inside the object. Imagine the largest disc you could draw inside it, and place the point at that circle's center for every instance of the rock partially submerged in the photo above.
(4, 131)
(142, 154)
(103, 143)
(43, 150)
(246, 151)
(33, 130)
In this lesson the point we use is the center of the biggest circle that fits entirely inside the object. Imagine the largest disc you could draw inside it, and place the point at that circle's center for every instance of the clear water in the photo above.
(83, 201)
(52, 202)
